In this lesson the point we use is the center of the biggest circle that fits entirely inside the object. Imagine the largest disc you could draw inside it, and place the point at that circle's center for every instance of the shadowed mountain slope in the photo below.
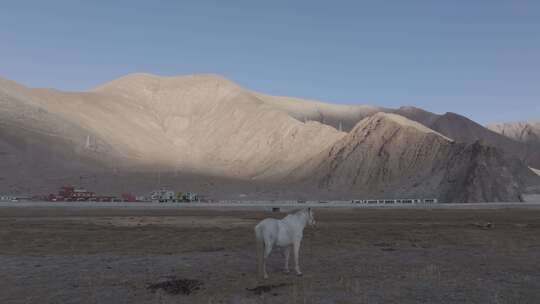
(387, 155)
(527, 133)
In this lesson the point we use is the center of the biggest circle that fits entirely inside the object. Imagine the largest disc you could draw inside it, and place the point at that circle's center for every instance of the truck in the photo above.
(163, 196)
(190, 197)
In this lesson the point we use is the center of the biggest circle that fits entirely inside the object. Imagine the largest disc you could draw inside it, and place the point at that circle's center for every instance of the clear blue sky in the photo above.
(477, 58)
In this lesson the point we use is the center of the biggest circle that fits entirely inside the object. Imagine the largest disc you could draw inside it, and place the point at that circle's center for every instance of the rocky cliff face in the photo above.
(462, 129)
(527, 133)
(476, 173)
(387, 155)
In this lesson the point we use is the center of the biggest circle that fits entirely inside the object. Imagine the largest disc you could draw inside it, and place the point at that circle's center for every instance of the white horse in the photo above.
(285, 233)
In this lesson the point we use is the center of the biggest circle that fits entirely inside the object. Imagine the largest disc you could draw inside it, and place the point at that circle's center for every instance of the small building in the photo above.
(15, 198)
(6, 198)
(81, 194)
(71, 194)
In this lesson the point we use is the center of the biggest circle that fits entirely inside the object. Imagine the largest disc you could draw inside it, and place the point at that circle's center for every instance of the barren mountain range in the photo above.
(527, 133)
(207, 134)
(388, 155)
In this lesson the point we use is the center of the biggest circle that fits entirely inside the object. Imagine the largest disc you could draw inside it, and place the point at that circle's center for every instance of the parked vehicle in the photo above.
(163, 196)
(190, 197)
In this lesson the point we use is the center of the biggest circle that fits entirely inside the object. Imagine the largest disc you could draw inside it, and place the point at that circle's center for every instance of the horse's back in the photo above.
(268, 229)
(274, 231)
(268, 224)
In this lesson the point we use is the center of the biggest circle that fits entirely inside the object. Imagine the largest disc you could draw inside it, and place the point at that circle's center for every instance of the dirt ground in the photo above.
(63, 255)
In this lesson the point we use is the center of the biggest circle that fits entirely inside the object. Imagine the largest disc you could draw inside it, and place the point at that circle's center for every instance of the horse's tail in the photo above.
(259, 240)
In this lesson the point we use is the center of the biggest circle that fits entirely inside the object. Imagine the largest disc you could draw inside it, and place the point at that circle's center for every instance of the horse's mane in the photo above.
(304, 211)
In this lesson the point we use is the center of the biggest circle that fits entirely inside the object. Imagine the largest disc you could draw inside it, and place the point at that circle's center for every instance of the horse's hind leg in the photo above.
(267, 250)
(286, 252)
(296, 249)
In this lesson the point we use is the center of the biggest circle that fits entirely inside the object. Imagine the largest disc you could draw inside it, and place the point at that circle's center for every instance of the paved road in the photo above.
(262, 205)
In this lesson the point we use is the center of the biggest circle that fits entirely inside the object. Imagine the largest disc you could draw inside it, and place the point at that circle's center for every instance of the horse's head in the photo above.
(310, 216)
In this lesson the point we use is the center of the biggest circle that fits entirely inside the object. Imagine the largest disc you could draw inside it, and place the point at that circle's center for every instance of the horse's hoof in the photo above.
(299, 274)
(286, 271)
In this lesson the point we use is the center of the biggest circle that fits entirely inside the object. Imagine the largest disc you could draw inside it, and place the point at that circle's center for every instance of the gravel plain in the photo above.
(113, 255)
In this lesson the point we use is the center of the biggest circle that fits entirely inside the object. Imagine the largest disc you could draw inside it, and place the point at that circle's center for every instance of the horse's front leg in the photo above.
(296, 248)
(286, 252)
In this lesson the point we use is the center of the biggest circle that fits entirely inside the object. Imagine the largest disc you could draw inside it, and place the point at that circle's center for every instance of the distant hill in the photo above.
(452, 125)
(388, 155)
(207, 134)
(524, 131)
(527, 133)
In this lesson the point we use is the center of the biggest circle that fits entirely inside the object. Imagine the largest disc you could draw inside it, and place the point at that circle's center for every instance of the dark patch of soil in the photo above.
(266, 288)
(212, 249)
(384, 244)
(177, 286)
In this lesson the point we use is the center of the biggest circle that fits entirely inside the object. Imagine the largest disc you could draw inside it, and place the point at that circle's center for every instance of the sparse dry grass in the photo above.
(364, 256)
